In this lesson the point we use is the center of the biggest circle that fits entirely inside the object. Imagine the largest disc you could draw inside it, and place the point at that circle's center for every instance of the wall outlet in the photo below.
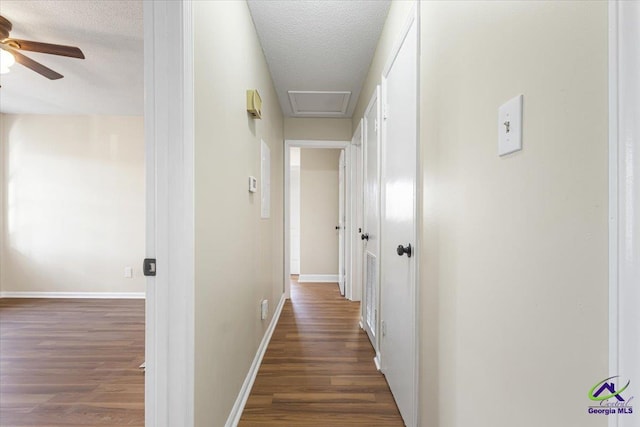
(128, 272)
(264, 306)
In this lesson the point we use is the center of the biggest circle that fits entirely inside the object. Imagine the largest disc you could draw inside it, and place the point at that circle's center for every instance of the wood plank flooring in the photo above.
(71, 362)
(318, 369)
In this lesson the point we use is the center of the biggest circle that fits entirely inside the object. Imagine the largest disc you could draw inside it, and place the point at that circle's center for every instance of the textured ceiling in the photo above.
(110, 79)
(318, 45)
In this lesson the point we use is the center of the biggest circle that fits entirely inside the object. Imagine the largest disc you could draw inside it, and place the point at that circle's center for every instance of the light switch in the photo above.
(253, 184)
(128, 272)
(510, 126)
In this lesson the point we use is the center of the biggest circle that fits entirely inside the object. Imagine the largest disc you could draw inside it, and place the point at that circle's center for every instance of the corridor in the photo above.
(318, 369)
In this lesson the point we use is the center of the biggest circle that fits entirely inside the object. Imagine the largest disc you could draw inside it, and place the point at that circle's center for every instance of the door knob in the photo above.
(404, 250)
(337, 227)
(365, 236)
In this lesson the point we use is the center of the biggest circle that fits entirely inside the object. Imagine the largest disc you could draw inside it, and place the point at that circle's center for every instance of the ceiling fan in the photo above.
(12, 46)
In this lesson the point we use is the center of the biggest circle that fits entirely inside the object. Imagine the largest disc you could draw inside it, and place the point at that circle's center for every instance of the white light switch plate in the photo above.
(128, 272)
(253, 184)
(510, 126)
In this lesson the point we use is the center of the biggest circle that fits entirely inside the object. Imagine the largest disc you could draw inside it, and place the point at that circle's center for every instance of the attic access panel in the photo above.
(319, 103)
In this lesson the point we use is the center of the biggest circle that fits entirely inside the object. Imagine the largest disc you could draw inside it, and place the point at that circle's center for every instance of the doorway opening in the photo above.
(316, 213)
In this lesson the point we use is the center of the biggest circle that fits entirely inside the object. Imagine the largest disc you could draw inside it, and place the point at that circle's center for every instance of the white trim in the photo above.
(75, 295)
(353, 291)
(613, 195)
(297, 112)
(245, 391)
(319, 278)
(624, 195)
(310, 143)
(376, 361)
(169, 148)
(302, 143)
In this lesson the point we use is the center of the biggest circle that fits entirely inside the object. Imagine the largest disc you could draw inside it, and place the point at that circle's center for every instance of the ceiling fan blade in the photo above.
(33, 65)
(51, 49)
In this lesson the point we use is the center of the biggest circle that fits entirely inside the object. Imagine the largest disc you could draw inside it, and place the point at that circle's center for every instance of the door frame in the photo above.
(354, 241)
(624, 144)
(413, 18)
(306, 143)
(169, 176)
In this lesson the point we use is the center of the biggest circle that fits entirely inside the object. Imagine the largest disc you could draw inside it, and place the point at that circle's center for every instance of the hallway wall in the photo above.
(514, 261)
(239, 256)
(73, 203)
(319, 211)
(325, 129)
(514, 286)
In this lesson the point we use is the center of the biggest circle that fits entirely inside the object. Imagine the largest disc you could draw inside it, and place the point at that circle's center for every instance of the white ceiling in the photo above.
(110, 79)
(310, 46)
(319, 45)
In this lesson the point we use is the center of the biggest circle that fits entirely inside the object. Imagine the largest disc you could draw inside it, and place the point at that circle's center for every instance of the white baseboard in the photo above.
(318, 278)
(88, 295)
(241, 400)
(376, 360)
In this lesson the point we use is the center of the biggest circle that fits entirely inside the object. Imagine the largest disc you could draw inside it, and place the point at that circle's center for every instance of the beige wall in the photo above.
(514, 261)
(317, 128)
(514, 250)
(74, 203)
(396, 19)
(239, 257)
(319, 211)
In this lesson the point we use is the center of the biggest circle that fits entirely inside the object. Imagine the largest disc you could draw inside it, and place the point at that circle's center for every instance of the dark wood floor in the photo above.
(71, 362)
(318, 369)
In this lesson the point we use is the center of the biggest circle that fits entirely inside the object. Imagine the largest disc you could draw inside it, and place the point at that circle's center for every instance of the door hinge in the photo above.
(384, 328)
(149, 267)
(375, 125)
(385, 111)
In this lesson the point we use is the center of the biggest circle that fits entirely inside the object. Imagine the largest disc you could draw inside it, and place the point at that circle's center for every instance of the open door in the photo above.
(370, 234)
(341, 222)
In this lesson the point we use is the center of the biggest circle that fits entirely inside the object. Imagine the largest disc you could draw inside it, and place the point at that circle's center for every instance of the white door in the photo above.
(341, 222)
(370, 232)
(356, 217)
(398, 224)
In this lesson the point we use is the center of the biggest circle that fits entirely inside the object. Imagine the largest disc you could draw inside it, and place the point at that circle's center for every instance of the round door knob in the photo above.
(365, 236)
(404, 250)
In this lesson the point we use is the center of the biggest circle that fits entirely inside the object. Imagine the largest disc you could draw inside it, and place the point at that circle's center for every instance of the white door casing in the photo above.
(371, 220)
(341, 222)
(169, 163)
(624, 199)
(287, 196)
(354, 290)
(399, 163)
